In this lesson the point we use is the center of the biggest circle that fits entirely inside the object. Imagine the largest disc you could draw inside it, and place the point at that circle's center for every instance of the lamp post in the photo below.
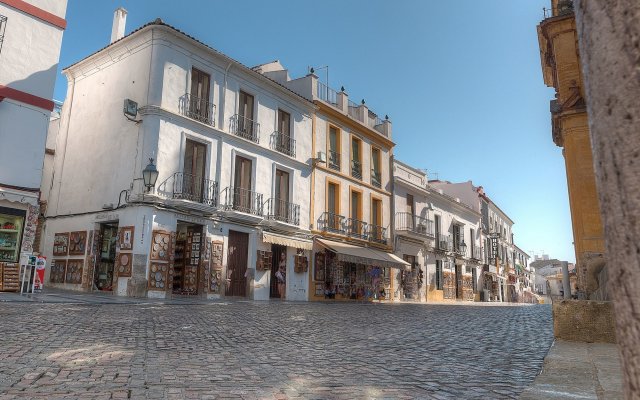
(150, 175)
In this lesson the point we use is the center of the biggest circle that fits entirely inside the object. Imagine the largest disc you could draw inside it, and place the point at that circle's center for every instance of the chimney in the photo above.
(119, 22)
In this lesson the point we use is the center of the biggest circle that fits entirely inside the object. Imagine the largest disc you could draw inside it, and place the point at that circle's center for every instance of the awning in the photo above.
(287, 241)
(363, 255)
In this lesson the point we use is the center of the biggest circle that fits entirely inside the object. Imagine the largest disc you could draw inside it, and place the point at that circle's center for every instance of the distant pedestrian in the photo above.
(281, 275)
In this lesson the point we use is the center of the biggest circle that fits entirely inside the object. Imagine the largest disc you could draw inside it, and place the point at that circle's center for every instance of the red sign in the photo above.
(38, 279)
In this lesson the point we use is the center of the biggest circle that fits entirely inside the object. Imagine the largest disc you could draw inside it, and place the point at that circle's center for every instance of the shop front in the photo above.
(347, 272)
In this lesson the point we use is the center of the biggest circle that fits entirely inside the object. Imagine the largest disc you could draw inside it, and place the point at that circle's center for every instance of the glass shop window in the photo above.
(11, 226)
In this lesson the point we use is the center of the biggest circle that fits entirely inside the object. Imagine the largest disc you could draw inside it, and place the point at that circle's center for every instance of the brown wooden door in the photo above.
(237, 259)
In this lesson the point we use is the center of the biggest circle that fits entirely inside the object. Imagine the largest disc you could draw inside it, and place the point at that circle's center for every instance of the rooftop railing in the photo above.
(327, 94)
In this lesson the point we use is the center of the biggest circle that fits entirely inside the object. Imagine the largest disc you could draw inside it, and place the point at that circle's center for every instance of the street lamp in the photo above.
(150, 175)
(463, 247)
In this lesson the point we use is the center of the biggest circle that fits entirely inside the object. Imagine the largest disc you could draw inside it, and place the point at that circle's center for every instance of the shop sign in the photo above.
(192, 218)
(494, 247)
(107, 217)
(38, 279)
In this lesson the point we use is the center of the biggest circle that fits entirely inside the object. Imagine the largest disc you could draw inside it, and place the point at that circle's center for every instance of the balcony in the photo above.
(242, 200)
(283, 211)
(195, 188)
(334, 160)
(245, 128)
(460, 249)
(356, 169)
(332, 223)
(356, 228)
(376, 178)
(408, 222)
(377, 234)
(199, 109)
(284, 144)
(444, 243)
(326, 94)
(375, 122)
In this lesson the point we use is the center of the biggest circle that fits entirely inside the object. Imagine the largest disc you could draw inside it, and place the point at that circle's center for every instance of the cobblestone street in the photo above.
(269, 350)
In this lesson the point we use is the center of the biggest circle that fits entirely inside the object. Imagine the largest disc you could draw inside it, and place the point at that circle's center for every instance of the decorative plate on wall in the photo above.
(160, 247)
(58, 268)
(158, 276)
(74, 272)
(125, 237)
(124, 264)
(61, 244)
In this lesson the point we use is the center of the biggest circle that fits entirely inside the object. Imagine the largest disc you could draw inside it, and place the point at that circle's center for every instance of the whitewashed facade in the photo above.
(30, 38)
(439, 236)
(233, 152)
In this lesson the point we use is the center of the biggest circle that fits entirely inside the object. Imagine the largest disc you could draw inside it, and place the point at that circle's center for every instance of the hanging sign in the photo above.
(494, 247)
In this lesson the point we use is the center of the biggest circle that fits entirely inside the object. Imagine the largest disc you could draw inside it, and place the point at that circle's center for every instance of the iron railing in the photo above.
(282, 210)
(332, 222)
(356, 169)
(356, 228)
(353, 110)
(334, 160)
(444, 242)
(327, 94)
(245, 128)
(378, 234)
(410, 222)
(243, 200)
(195, 188)
(284, 144)
(459, 249)
(376, 178)
(199, 109)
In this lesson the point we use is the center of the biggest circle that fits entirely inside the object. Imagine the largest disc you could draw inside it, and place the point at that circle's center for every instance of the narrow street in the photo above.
(248, 350)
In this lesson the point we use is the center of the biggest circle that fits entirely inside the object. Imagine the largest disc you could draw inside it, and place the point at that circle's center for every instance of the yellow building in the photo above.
(561, 70)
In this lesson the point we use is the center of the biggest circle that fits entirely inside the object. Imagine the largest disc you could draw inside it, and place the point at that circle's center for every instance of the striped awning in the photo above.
(282, 240)
(363, 255)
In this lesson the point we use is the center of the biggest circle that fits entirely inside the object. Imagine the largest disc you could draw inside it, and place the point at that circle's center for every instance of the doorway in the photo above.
(105, 265)
(276, 252)
(458, 281)
(237, 258)
(186, 264)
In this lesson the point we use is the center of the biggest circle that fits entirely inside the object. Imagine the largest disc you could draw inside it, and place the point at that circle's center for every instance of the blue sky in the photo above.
(461, 81)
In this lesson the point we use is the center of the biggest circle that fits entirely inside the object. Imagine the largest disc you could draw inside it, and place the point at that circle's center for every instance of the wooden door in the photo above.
(237, 259)
(276, 251)
(242, 199)
(199, 94)
(194, 170)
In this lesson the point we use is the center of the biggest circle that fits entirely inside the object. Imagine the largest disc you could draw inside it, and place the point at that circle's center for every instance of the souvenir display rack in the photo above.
(9, 277)
(10, 235)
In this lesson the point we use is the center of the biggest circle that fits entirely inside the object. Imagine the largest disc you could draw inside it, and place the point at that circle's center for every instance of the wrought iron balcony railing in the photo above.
(327, 94)
(377, 234)
(334, 160)
(245, 128)
(444, 242)
(376, 178)
(332, 222)
(356, 228)
(284, 144)
(199, 109)
(356, 169)
(281, 210)
(410, 222)
(243, 200)
(195, 188)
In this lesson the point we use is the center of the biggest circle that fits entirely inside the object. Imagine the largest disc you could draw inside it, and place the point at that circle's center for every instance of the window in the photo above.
(410, 208)
(333, 207)
(356, 160)
(458, 237)
(437, 226)
(356, 226)
(376, 176)
(472, 242)
(439, 274)
(199, 108)
(334, 148)
(376, 212)
(281, 206)
(242, 195)
(246, 126)
(193, 170)
(284, 142)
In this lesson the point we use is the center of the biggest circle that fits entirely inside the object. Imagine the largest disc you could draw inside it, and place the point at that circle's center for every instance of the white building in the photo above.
(351, 193)
(30, 39)
(437, 234)
(232, 150)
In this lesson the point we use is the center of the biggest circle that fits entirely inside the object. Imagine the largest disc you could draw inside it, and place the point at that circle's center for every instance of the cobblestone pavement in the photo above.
(277, 350)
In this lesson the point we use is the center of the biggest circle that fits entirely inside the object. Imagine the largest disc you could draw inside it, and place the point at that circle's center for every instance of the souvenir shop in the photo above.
(347, 272)
(492, 287)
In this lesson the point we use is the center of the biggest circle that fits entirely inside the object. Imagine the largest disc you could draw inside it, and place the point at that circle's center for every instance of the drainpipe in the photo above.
(223, 98)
